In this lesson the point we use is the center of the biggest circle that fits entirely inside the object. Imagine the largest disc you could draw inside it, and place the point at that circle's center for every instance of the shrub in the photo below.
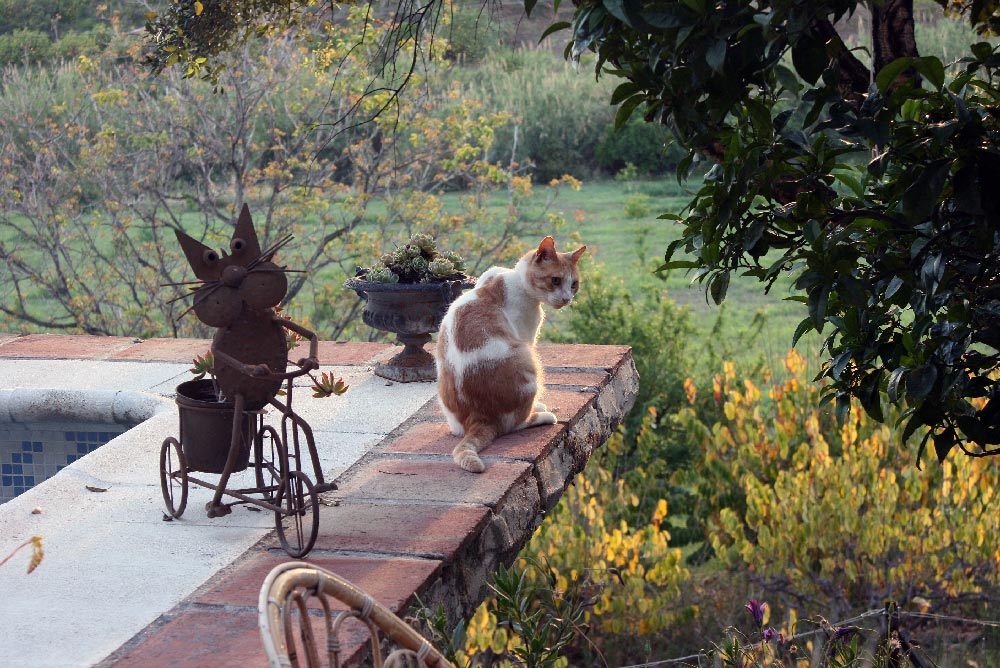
(645, 145)
(559, 113)
(637, 206)
(24, 47)
(867, 531)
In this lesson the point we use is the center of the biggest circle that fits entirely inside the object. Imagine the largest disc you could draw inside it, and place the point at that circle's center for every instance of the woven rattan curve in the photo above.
(277, 593)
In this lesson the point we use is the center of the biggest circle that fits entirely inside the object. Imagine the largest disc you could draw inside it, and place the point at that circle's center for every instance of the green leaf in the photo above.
(804, 326)
(624, 91)
(809, 58)
(922, 195)
(555, 27)
(931, 69)
(944, 442)
(715, 55)
(920, 382)
(718, 286)
(760, 117)
(892, 390)
(888, 74)
(625, 111)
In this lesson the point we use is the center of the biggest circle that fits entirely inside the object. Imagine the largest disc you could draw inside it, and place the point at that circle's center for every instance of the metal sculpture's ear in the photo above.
(578, 253)
(203, 260)
(244, 245)
(546, 250)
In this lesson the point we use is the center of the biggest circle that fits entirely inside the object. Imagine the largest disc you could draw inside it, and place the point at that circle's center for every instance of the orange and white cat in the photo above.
(489, 375)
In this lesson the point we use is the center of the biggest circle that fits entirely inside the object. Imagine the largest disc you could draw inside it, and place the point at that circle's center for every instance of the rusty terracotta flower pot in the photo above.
(207, 428)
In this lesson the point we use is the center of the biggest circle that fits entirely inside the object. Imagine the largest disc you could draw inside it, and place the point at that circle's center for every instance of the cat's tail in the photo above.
(466, 453)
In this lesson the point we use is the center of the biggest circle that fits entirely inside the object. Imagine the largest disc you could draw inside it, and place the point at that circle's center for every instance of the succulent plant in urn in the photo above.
(407, 293)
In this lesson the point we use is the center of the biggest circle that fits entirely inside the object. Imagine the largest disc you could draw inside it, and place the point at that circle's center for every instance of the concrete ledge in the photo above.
(98, 406)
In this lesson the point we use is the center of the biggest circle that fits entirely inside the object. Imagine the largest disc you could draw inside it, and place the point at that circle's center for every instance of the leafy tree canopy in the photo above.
(869, 174)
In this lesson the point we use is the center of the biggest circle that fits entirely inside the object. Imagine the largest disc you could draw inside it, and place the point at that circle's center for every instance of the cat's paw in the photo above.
(540, 407)
(470, 461)
(542, 417)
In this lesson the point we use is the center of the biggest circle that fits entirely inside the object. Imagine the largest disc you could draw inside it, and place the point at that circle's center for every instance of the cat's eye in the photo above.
(576, 285)
(556, 281)
(237, 245)
(210, 257)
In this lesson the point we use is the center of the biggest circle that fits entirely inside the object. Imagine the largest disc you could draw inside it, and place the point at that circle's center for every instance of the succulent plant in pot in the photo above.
(408, 292)
(418, 261)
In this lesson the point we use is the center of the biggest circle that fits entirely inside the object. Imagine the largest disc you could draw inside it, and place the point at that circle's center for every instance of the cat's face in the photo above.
(552, 276)
(243, 278)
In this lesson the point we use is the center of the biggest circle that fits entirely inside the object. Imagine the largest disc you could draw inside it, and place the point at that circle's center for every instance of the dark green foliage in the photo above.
(24, 47)
(545, 620)
(645, 145)
(51, 17)
(897, 260)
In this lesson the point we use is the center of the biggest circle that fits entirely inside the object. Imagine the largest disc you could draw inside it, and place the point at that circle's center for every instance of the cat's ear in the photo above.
(578, 253)
(546, 250)
(203, 260)
(244, 245)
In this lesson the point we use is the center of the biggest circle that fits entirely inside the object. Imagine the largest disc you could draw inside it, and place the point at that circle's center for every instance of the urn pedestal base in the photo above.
(410, 365)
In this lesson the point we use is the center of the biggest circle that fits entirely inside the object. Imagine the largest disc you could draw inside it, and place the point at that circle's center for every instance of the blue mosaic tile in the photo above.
(16, 469)
(18, 491)
(6, 480)
(103, 436)
(94, 446)
(29, 480)
(69, 435)
(26, 446)
(19, 481)
(70, 459)
(15, 457)
(6, 469)
(81, 436)
(27, 458)
(37, 446)
(92, 435)
(81, 448)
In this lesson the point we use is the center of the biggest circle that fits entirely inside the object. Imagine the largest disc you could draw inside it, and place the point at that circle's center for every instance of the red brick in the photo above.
(390, 581)
(54, 346)
(436, 481)
(217, 638)
(342, 353)
(435, 438)
(575, 356)
(165, 350)
(401, 529)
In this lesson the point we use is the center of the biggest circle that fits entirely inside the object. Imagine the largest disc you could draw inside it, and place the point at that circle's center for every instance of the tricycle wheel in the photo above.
(272, 460)
(173, 476)
(298, 520)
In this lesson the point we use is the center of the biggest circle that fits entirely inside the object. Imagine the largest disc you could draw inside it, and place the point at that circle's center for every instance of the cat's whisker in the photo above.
(171, 285)
(268, 255)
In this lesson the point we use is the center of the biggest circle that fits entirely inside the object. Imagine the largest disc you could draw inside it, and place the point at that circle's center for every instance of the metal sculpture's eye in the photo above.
(556, 281)
(236, 245)
(210, 257)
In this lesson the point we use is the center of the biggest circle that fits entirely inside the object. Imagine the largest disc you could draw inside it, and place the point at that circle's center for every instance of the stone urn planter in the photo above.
(206, 426)
(412, 311)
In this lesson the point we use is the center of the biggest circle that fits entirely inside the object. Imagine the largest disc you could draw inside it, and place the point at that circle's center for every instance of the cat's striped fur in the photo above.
(489, 377)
